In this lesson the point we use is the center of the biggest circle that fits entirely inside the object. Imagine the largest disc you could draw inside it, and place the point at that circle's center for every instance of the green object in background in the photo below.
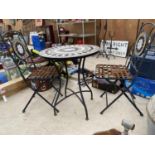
(35, 51)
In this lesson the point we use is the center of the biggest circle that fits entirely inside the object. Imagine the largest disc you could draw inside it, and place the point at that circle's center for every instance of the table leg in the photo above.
(80, 89)
(56, 97)
(80, 97)
(83, 64)
(65, 63)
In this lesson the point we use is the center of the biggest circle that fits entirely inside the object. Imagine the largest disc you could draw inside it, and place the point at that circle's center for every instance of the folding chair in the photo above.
(115, 74)
(39, 79)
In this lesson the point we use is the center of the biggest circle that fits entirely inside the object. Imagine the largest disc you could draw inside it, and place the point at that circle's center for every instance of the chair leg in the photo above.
(33, 95)
(106, 98)
(54, 101)
(56, 97)
(128, 90)
(47, 102)
(111, 103)
(102, 94)
(133, 96)
(57, 90)
(105, 92)
(133, 103)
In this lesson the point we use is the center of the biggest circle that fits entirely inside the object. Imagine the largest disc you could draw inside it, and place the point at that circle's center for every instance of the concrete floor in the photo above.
(39, 118)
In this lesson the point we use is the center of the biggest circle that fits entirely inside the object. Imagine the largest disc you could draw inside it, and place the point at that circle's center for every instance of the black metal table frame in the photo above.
(81, 65)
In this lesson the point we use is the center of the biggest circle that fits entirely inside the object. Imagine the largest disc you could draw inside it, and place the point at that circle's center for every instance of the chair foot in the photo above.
(101, 112)
(87, 119)
(33, 95)
(134, 105)
(104, 110)
(141, 114)
(102, 94)
(56, 111)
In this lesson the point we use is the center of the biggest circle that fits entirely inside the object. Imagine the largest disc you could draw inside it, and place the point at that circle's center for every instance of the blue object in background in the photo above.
(4, 46)
(145, 69)
(142, 87)
(38, 43)
(72, 70)
(3, 77)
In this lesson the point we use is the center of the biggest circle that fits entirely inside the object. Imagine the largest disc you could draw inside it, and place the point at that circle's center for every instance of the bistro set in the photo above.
(42, 78)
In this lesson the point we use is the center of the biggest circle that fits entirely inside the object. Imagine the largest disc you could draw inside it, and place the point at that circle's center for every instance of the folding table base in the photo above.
(81, 71)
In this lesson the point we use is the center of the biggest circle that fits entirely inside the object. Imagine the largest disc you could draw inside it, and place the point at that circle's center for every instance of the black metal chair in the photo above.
(115, 74)
(39, 79)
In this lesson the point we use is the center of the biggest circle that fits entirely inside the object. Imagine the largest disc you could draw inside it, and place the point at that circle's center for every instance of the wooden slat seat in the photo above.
(112, 71)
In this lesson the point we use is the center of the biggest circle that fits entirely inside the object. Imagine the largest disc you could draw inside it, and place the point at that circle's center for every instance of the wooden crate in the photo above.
(13, 86)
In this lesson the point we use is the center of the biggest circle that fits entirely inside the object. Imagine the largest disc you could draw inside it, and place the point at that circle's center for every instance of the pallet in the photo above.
(13, 86)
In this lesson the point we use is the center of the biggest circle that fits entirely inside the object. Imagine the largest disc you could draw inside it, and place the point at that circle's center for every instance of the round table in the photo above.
(72, 52)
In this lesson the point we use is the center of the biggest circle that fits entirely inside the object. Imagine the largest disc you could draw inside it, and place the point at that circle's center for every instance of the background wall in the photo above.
(123, 29)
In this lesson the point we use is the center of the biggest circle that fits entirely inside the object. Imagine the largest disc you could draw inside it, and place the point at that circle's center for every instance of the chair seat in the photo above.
(43, 73)
(112, 72)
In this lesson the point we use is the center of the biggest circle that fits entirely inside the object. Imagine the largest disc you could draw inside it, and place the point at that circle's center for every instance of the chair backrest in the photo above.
(19, 52)
(144, 43)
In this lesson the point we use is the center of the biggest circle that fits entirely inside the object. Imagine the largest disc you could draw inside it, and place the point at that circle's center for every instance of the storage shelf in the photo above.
(78, 22)
(82, 34)
(77, 35)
